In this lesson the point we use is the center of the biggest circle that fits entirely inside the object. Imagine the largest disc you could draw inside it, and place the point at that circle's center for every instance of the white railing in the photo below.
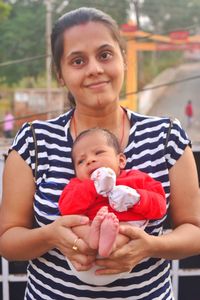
(6, 278)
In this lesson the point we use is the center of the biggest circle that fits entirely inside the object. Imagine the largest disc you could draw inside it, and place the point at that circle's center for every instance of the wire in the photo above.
(17, 61)
(153, 87)
(126, 94)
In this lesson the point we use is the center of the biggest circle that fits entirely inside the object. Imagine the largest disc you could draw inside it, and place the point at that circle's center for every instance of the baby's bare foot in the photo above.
(108, 232)
(95, 227)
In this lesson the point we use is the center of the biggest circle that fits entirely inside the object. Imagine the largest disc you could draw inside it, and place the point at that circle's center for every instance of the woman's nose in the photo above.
(94, 67)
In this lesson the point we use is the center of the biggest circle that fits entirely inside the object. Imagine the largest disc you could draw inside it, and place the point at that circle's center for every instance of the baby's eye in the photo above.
(105, 55)
(99, 152)
(81, 161)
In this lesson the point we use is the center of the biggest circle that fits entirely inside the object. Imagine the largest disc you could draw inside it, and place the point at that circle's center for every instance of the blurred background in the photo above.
(163, 78)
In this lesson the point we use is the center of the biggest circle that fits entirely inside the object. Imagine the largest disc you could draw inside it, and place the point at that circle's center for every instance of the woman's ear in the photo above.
(122, 161)
(60, 79)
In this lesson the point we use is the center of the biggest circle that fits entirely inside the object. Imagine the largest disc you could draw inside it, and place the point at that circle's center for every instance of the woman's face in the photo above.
(92, 66)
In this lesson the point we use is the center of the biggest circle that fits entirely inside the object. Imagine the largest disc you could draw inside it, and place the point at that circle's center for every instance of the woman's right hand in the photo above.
(61, 236)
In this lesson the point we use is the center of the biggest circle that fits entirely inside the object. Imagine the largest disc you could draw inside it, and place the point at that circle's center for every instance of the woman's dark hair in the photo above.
(110, 137)
(77, 17)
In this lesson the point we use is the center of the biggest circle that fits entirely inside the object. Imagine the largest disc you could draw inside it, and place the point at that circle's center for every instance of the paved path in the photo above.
(176, 96)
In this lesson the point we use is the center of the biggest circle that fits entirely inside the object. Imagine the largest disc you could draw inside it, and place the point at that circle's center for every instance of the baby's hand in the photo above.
(122, 197)
(104, 180)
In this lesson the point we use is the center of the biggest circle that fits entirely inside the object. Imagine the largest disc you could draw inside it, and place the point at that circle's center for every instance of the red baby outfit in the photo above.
(80, 197)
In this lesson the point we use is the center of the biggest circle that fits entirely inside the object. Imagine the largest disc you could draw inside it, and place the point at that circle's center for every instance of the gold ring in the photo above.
(74, 247)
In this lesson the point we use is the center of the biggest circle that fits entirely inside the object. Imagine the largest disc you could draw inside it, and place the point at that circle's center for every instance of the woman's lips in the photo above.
(96, 85)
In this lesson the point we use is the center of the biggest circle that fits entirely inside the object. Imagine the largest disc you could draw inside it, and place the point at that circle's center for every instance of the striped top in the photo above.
(49, 276)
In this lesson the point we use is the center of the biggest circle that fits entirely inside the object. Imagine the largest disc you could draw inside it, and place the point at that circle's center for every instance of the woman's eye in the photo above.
(78, 61)
(106, 55)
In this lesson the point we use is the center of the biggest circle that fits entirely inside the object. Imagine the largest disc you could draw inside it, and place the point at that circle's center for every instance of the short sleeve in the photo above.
(24, 145)
(177, 142)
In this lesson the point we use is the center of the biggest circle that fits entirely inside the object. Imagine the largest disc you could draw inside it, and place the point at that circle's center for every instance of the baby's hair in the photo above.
(110, 138)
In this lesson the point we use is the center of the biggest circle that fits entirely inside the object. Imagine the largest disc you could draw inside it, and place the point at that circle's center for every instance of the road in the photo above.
(173, 101)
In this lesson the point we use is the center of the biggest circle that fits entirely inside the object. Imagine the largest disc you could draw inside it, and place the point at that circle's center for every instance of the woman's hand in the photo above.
(62, 237)
(124, 259)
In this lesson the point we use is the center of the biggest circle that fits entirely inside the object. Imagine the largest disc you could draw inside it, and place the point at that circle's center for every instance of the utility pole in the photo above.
(136, 7)
(138, 55)
(48, 4)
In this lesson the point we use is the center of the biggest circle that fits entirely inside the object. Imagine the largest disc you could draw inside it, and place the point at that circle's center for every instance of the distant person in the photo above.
(8, 125)
(189, 113)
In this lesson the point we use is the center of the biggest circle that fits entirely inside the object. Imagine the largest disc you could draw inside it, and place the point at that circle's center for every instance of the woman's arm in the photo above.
(18, 241)
(182, 241)
(184, 211)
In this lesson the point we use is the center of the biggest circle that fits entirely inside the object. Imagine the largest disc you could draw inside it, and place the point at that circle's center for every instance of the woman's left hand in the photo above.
(125, 258)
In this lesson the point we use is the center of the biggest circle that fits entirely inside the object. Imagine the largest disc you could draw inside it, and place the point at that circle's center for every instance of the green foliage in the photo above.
(154, 63)
(167, 16)
(170, 15)
(4, 10)
(117, 9)
(23, 35)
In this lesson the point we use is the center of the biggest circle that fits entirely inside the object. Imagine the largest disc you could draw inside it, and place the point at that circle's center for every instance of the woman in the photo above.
(89, 60)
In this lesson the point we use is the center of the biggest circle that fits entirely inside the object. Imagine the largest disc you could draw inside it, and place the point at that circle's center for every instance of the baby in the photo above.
(107, 194)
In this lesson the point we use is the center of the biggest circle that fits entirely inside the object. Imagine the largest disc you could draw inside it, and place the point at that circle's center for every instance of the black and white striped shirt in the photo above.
(49, 276)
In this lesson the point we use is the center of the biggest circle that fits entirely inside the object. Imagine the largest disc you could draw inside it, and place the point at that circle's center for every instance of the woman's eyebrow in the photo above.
(78, 52)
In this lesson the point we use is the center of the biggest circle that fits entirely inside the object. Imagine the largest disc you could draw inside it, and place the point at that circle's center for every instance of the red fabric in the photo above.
(80, 197)
(189, 110)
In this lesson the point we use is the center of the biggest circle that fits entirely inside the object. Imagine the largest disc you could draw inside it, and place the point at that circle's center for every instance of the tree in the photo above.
(119, 10)
(4, 10)
(23, 34)
(170, 15)
(21, 37)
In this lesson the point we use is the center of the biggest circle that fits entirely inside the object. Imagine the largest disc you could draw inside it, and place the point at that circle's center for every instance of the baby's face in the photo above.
(92, 152)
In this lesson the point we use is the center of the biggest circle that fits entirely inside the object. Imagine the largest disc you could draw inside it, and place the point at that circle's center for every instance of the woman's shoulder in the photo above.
(57, 126)
(147, 120)
(152, 124)
(156, 135)
(49, 130)
(60, 121)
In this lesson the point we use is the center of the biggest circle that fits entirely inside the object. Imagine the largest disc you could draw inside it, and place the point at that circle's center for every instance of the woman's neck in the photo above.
(114, 120)
(107, 118)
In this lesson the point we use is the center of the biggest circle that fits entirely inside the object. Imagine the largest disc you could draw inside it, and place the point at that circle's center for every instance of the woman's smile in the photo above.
(98, 85)
(98, 69)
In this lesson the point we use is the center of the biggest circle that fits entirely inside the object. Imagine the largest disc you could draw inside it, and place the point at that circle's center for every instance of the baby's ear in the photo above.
(122, 161)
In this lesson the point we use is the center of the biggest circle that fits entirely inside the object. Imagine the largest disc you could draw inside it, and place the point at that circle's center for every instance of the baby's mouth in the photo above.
(91, 171)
